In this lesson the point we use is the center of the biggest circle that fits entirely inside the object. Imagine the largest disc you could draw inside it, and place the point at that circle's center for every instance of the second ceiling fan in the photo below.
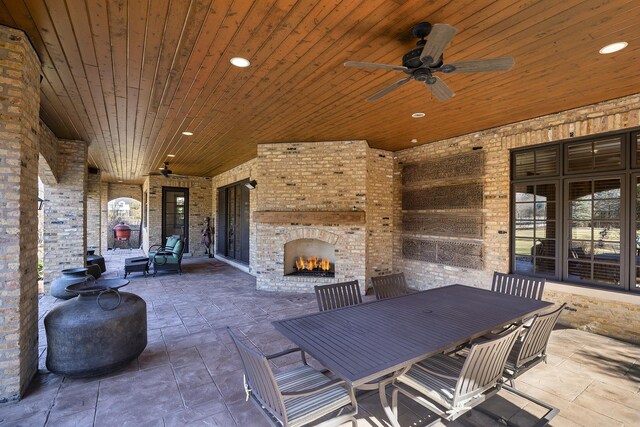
(425, 60)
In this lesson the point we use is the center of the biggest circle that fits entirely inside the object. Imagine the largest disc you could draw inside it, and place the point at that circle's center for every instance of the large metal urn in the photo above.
(98, 332)
(70, 276)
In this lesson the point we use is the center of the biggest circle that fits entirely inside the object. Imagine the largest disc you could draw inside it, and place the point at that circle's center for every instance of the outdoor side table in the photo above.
(138, 264)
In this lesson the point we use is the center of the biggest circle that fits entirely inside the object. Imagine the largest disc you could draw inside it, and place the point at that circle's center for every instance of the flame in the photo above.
(312, 263)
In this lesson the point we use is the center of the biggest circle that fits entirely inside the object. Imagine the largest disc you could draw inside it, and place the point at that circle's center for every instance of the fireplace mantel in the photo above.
(310, 217)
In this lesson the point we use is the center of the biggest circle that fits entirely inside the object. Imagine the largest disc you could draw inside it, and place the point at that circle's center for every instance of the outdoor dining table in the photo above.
(365, 342)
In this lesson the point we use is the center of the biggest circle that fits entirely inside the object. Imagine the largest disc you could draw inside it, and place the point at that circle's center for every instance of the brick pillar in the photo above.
(65, 212)
(94, 211)
(19, 109)
(104, 218)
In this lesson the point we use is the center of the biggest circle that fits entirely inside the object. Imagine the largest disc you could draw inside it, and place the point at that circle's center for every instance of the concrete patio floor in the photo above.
(190, 374)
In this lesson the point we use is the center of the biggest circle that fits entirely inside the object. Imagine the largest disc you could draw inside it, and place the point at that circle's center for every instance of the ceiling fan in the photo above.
(422, 62)
(164, 171)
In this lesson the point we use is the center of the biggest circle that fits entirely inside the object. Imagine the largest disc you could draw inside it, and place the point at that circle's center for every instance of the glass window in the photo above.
(577, 227)
(594, 243)
(601, 154)
(535, 229)
(540, 162)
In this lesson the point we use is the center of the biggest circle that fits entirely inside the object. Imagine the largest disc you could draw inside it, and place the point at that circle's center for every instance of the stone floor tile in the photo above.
(557, 380)
(30, 419)
(247, 414)
(78, 419)
(184, 356)
(191, 416)
(610, 407)
(192, 375)
(206, 393)
(576, 413)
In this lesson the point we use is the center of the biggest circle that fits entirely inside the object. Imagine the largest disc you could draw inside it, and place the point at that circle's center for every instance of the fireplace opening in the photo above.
(309, 257)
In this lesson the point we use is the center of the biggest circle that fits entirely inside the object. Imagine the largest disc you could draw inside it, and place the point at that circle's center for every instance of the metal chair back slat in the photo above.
(521, 286)
(484, 366)
(391, 285)
(338, 295)
(537, 336)
(260, 379)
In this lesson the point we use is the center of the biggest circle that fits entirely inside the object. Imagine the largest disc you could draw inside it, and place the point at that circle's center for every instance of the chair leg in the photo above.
(394, 402)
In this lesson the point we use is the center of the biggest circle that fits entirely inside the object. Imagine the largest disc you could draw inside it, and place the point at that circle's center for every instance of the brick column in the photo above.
(19, 109)
(65, 212)
(94, 211)
(104, 218)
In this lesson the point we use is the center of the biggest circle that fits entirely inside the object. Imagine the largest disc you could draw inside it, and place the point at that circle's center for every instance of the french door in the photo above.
(233, 222)
(175, 214)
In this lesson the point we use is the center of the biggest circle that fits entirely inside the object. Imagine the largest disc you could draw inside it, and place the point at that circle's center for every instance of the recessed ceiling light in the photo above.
(187, 133)
(240, 62)
(171, 155)
(414, 140)
(418, 115)
(613, 47)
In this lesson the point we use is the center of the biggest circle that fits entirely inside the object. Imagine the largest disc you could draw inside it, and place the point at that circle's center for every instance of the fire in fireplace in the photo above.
(314, 266)
(309, 257)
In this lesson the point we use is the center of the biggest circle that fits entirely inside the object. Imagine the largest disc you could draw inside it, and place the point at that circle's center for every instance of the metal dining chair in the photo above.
(391, 285)
(520, 286)
(449, 386)
(338, 295)
(295, 397)
(529, 350)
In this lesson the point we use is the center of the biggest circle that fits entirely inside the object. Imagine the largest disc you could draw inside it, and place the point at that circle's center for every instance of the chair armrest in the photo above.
(437, 374)
(155, 246)
(309, 391)
(288, 351)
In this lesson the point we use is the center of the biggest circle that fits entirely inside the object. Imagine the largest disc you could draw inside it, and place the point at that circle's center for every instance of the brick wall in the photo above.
(199, 208)
(94, 211)
(603, 117)
(104, 213)
(19, 105)
(380, 168)
(65, 213)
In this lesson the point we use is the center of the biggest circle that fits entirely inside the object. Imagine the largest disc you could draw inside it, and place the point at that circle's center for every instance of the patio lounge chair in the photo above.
(449, 386)
(338, 295)
(520, 286)
(295, 397)
(391, 285)
(168, 260)
(168, 246)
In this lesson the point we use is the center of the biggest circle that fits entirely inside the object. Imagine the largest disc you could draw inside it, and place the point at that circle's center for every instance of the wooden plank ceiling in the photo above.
(129, 76)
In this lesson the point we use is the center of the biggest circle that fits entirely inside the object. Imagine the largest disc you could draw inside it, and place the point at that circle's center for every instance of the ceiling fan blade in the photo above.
(440, 89)
(439, 38)
(481, 65)
(374, 65)
(388, 89)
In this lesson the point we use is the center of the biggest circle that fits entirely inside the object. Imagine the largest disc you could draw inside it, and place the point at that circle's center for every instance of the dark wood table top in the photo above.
(363, 342)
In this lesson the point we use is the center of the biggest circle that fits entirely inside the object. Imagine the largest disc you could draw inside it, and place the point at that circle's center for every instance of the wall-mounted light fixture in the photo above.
(41, 202)
(251, 184)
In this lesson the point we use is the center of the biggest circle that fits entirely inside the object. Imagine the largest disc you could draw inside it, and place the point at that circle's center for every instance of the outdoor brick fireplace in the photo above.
(317, 200)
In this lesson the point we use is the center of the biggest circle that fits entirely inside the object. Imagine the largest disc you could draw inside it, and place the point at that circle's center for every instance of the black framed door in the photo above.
(233, 222)
(175, 214)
